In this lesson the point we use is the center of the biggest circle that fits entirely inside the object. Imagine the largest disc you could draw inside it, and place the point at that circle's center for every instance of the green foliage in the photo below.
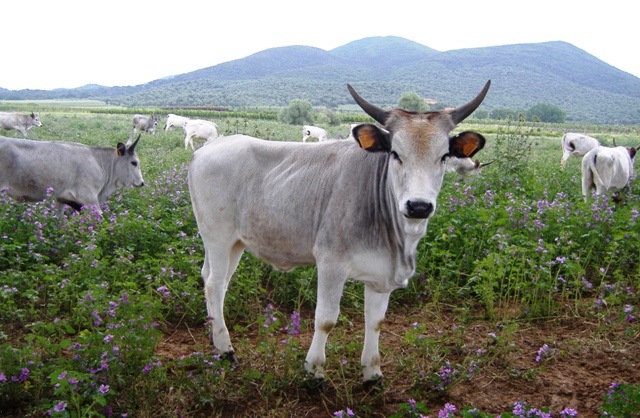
(411, 101)
(329, 117)
(545, 112)
(299, 112)
(622, 400)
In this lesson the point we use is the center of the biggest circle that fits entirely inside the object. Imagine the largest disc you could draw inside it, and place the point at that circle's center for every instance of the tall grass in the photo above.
(85, 300)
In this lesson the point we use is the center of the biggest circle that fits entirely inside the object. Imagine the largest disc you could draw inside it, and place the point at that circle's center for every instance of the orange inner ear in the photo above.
(469, 148)
(366, 139)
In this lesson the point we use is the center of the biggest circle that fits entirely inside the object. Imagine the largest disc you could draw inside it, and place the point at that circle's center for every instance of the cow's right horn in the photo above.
(462, 112)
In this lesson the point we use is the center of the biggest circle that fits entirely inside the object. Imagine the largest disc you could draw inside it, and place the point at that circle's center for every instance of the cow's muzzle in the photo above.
(418, 209)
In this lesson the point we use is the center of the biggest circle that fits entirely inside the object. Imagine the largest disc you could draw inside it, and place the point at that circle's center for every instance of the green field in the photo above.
(523, 294)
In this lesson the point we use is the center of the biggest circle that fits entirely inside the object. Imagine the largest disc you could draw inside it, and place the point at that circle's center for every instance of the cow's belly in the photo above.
(379, 270)
(281, 257)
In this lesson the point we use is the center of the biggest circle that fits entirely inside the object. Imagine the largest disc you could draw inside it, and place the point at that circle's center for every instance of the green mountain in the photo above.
(381, 69)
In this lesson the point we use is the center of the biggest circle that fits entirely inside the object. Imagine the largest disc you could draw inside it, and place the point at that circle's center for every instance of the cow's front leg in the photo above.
(330, 286)
(217, 270)
(375, 308)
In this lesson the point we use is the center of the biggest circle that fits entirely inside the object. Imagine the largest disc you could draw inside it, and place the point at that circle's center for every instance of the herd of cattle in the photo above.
(355, 208)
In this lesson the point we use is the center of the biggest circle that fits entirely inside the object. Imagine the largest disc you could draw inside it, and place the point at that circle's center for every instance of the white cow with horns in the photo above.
(576, 145)
(79, 175)
(356, 209)
(607, 169)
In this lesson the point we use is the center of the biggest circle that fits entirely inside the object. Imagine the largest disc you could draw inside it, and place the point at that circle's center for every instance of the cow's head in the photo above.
(418, 145)
(632, 151)
(127, 172)
(35, 119)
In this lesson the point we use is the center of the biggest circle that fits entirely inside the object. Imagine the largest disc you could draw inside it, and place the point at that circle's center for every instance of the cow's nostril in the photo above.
(419, 209)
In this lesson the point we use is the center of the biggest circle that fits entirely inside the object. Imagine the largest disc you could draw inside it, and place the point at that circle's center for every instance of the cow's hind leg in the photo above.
(188, 140)
(219, 266)
(330, 284)
(375, 308)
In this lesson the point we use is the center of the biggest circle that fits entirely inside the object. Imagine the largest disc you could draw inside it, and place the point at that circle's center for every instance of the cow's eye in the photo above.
(134, 163)
(396, 156)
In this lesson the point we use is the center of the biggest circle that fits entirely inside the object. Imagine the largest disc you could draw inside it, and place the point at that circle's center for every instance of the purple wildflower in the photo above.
(61, 406)
(448, 411)
(104, 389)
(568, 412)
(294, 327)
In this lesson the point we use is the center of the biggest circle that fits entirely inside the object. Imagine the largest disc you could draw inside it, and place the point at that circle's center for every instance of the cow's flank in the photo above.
(79, 175)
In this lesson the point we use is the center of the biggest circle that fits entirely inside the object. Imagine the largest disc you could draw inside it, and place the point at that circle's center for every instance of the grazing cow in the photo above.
(79, 175)
(145, 123)
(19, 121)
(309, 131)
(607, 169)
(465, 166)
(356, 209)
(199, 129)
(577, 145)
(174, 120)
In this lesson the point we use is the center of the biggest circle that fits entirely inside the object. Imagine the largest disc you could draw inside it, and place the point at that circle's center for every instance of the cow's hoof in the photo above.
(230, 356)
(315, 386)
(374, 385)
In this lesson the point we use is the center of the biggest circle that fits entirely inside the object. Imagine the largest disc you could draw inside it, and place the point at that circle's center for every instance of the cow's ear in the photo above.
(466, 144)
(121, 148)
(372, 138)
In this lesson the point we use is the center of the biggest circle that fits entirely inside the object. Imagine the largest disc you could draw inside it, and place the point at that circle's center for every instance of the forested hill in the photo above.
(381, 69)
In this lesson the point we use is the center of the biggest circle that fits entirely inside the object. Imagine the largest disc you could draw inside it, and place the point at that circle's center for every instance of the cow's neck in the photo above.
(406, 233)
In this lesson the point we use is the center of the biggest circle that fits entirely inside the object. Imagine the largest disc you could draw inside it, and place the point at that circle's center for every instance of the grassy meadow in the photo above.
(524, 301)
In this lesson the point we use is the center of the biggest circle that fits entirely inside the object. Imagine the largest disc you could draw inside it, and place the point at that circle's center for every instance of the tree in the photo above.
(412, 102)
(299, 112)
(546, 112)
(329, 117)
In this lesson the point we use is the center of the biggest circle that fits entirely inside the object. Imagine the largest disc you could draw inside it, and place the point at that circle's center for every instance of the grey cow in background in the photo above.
(79, 175)
(145, 123)
(19, 121)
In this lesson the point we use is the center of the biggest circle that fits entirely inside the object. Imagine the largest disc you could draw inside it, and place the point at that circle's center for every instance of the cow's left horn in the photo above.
(461, 113)
(375, 112)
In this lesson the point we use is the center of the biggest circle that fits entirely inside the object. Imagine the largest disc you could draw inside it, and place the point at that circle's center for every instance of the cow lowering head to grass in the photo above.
(357, 209)
(576, 145)
(607, 169)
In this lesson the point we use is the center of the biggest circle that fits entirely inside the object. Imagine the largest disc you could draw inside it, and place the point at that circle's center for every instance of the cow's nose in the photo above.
(419, 209)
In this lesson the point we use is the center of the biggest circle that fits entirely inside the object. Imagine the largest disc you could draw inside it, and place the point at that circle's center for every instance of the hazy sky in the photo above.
(64, 44)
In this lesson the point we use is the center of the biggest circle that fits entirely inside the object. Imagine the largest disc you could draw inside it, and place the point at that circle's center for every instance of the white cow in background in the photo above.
(309, 131)
(199, 129)
(465, 166)
(175, 120)
(607, 169)
(576, 145)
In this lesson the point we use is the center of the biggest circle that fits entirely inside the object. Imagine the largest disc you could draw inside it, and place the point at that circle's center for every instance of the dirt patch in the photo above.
(584, 359)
